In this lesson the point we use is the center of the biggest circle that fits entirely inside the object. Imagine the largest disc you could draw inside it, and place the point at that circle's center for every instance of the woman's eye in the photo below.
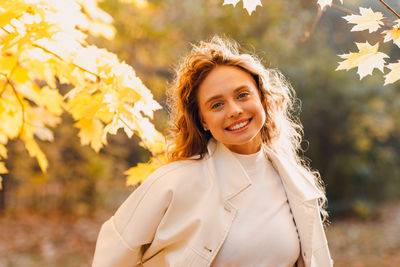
(216, 105)
(244, 94)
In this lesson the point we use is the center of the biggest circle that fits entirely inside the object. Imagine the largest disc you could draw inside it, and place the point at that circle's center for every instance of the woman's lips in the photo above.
(238, 125)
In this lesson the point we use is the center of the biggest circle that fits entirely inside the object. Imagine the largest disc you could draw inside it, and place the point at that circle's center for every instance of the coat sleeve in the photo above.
(124, 236)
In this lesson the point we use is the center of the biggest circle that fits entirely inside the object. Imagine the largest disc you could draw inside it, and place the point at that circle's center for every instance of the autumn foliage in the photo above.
(368, 57)
(43, 45)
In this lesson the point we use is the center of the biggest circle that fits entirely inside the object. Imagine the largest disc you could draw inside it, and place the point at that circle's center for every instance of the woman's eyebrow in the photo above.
(221, 96)
(213, 98)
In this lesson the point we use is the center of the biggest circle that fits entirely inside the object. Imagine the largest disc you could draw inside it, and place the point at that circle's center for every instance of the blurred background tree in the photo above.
(351, 126)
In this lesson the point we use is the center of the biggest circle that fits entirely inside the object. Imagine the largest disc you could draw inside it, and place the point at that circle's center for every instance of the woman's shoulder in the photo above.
(178, 166)
(170, 179)
(170, 174)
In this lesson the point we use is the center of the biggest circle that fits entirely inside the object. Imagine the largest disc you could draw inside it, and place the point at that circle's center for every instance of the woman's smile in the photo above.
(239, 125)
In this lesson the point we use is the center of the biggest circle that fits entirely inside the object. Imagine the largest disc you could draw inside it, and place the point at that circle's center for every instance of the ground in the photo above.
(356, 243)
(54, 240)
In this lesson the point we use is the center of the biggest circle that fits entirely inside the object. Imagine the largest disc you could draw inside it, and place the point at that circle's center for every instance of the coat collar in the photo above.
(227, 170)
(234, 179)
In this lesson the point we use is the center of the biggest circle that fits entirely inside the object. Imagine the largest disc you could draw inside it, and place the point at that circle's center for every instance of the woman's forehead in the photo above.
(224, 80)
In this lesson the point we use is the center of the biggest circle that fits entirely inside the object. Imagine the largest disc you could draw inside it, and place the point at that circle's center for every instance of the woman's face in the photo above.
(231, 109)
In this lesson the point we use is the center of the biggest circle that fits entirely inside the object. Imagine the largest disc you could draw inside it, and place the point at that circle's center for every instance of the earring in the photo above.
(205, 128)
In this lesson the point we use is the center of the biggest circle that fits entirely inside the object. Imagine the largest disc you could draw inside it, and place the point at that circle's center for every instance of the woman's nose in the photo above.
(234, 110)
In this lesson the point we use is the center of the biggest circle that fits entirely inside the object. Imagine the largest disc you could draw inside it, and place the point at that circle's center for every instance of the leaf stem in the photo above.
(8, 78)
(5, 84)
(5, 30)
(98, 78)
(380, 41)
(345, 10)
(22, 107)
(391, 9)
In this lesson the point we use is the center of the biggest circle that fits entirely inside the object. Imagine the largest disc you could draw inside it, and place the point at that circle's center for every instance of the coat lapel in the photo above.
(302, 195)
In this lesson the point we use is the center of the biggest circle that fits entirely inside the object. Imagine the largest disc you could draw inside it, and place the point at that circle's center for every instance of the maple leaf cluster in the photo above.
(43, 44)
(368, 56)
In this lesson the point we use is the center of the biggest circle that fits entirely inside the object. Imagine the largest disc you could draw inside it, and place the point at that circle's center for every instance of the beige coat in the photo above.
(181, 215)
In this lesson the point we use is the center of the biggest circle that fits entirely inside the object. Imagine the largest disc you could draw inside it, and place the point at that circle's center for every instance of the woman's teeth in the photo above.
(239, 125)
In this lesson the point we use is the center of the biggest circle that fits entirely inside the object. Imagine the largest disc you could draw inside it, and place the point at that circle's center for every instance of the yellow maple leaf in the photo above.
(91, 132)
(3, 151)
(367, 59)
(139, 3)
(249, 5)
(39, 118)
(67, 73)
(98, 28)
(141, 171)
(394, 74)
(84, 105)
(40, 65)
(393, 34)
(157, 145)
(116, 100)
(20, 75)
(11, 117)
(145, 129)
(7, 63)
(368, 20)
(100, 22)
(35, 151)
(324, 3)
(3, 170)
(51, 99)
(87, 57)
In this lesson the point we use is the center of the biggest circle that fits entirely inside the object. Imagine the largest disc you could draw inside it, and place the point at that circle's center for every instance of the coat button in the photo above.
(227, 208)
(208, 249)
(304, 253)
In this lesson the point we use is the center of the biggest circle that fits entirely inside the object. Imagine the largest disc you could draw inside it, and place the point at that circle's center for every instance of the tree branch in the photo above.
(391, 9)
(308, 33)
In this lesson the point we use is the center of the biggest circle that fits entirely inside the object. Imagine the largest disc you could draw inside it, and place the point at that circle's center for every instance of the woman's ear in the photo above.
(203, 123)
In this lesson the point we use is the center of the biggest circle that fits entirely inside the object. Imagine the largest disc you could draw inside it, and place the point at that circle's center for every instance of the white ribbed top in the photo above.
(264, 232)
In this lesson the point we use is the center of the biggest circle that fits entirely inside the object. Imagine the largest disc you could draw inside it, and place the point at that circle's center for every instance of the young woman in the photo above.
(235, 192)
